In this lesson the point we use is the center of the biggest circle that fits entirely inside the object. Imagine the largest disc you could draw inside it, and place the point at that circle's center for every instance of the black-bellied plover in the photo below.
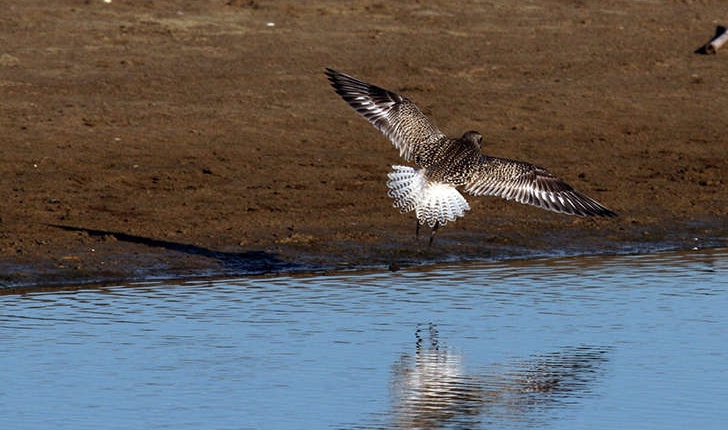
(447, 163)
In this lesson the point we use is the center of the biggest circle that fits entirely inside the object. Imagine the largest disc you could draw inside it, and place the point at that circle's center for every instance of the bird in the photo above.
(444, 164)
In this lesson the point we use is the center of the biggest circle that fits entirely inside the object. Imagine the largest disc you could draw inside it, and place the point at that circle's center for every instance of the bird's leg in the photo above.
(432, 233)
(417, 230)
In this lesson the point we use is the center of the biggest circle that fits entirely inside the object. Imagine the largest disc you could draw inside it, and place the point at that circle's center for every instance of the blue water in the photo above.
(595, 342)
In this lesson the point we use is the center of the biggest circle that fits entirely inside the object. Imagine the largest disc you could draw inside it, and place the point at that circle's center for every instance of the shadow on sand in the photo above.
(233, 263)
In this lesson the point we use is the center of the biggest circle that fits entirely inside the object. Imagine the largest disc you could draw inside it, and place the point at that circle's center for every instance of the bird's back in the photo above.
(450, 161)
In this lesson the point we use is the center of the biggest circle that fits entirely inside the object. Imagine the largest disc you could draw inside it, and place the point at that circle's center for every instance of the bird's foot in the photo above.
(433, 232)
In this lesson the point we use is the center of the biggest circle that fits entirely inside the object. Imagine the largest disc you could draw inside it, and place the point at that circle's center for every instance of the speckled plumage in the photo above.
(447, 163)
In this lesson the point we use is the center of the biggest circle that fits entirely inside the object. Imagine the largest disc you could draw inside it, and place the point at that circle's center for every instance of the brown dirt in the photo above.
(161, 138)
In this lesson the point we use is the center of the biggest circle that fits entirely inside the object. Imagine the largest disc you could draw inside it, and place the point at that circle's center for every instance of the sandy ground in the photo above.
(161, 138)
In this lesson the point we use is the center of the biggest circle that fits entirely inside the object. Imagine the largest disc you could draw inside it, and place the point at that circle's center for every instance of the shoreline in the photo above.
(128, 259)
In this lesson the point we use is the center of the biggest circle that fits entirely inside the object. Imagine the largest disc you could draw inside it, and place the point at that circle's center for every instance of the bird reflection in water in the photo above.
(432, 388)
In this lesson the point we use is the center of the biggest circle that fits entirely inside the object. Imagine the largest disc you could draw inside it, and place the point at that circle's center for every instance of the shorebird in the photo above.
(446, 163)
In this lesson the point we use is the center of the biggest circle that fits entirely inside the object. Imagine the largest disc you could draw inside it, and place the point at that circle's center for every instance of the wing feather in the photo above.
(394, 115)
(532, 185)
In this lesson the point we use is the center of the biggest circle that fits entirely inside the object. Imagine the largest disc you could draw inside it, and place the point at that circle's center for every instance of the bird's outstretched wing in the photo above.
(532, 185)
(394, 115)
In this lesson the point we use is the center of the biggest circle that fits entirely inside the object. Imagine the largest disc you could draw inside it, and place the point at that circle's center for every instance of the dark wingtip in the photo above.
(337, 79)
(601, 211)
(331, 74)
(594, 208)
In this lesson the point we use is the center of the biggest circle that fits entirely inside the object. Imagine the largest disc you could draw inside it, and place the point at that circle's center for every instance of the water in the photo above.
(595, 342)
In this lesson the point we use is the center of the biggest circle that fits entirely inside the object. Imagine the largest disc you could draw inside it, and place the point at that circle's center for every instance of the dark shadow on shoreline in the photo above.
(234, 263)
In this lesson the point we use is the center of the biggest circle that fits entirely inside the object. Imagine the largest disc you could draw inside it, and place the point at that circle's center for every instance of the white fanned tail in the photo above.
(433, 202)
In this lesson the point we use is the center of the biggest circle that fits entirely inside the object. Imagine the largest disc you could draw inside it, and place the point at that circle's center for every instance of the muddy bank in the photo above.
(161, 138)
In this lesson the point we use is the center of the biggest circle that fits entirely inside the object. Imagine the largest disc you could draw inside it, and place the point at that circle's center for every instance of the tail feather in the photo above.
(441, 203)
(406, 186)
(433, 202)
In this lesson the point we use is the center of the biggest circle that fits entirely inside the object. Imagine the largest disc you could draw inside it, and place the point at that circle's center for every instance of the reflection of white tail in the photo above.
(433, 202)
(431, 389)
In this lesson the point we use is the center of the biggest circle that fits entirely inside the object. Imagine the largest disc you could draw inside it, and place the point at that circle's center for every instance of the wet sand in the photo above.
(168, 138)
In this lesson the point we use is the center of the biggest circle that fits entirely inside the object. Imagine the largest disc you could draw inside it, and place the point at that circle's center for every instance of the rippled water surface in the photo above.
(615, 342)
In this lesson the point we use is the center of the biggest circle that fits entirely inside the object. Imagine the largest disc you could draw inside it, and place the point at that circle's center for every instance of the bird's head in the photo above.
(473, 136)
